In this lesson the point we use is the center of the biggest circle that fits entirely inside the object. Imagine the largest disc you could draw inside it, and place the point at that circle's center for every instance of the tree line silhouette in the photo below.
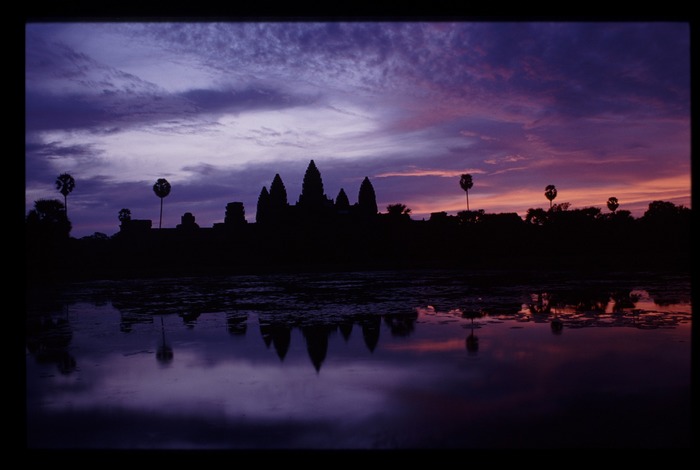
(319, 232)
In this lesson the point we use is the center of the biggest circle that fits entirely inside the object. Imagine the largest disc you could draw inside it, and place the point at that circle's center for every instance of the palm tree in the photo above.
(550, 192)
(466, 183)
(162, 189)
(124, 215)
(65, 185)
(613, 204)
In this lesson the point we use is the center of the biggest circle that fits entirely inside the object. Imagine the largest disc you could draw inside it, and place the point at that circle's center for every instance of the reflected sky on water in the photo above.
(360, 361)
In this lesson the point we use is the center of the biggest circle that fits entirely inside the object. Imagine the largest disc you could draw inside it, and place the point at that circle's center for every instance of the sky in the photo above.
(598, 109)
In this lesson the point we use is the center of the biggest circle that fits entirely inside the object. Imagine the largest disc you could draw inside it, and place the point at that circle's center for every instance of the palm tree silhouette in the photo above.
(466, 183)
(550, 192)
(164, 355)
(613, 204)
(124, 215)
(162, 189)
(65, 185)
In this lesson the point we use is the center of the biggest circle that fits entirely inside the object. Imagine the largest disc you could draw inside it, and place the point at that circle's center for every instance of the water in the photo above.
(365, 360)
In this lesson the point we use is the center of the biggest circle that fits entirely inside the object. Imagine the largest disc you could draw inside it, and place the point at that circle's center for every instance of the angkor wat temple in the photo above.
(273, 209)
(318, 232)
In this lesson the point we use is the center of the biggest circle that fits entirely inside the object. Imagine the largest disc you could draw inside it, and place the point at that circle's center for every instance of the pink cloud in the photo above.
(421, 172)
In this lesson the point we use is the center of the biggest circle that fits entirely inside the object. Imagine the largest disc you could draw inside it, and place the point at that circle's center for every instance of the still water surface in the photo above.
(364, 360)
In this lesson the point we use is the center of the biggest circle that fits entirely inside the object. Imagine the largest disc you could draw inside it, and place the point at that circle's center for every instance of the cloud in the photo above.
(422, 172)
(219, 108)
(254, 98)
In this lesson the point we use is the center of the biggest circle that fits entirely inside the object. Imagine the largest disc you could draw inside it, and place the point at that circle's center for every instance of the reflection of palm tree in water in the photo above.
(556, 324)
(472, 340)
(623, 300)
(165, 353)
(545, 305)
(542, 305)
(472, 343)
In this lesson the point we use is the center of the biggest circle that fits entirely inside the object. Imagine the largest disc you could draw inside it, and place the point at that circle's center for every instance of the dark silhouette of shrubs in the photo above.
(536, 216)
(470, 217)
(398, 211)
(666, 229)
(47, 239)
(124, 215)
(48, 220)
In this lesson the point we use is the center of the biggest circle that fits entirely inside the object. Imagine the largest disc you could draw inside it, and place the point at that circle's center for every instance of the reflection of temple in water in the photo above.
(370, 331)
(276, 331)
(237, 323)
(279, 335)
(316, 337)
(190, 318)
(287, 305)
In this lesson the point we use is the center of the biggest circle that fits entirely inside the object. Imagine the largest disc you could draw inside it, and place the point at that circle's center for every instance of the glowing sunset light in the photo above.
(220, 108)
(420, 172)
(426, 346)
(635, 198)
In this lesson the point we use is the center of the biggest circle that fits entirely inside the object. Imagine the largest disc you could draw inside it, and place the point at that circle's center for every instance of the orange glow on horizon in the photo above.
(635, 198)
(421, 172)
(424, 346)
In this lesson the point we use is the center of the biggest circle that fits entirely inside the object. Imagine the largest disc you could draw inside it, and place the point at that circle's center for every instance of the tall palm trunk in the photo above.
(467, 194)
(160, 222)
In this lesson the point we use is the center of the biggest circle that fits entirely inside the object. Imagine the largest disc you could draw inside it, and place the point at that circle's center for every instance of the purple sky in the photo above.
(597, 109)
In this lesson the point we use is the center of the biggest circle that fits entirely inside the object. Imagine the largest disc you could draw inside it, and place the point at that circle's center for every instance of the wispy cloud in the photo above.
(421, 172)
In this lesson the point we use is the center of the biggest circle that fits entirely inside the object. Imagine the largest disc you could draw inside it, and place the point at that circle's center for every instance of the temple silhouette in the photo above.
(273, 209)
(320, 232)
